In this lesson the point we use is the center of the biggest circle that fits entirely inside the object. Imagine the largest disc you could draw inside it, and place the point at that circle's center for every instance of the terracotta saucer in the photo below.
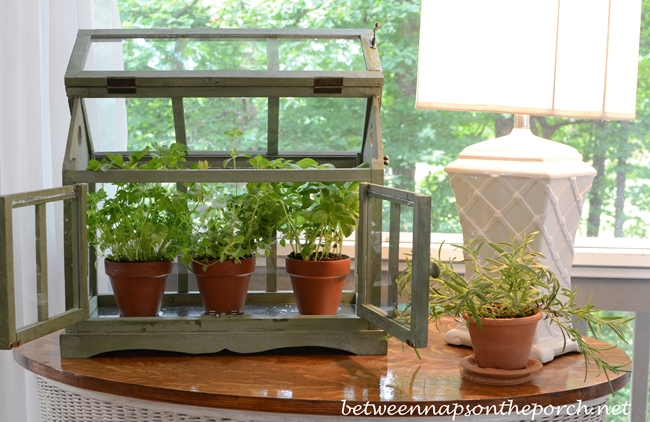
(491, 376)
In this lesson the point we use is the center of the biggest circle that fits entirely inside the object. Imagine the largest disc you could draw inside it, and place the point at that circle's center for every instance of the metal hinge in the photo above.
(328, 85)
(120, 85)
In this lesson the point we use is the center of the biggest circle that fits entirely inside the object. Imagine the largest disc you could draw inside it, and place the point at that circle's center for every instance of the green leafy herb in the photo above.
(512, 284)
(141, 221)
(312, 217)
(229, 225)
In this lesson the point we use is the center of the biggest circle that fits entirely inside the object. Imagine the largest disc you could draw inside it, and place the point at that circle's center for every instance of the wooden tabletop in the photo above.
(315, 382)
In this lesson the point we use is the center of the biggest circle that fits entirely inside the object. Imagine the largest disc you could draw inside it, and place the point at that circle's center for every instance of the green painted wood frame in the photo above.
(75, 251)
(89, 334)
(369, 252)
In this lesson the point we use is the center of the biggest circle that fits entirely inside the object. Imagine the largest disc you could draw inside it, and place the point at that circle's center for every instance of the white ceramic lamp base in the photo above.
(517, 184)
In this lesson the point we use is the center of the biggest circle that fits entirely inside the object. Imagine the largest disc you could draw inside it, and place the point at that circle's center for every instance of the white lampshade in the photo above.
(572, 58)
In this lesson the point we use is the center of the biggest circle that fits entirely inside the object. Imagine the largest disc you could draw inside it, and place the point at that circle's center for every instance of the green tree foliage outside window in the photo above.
(420, 143)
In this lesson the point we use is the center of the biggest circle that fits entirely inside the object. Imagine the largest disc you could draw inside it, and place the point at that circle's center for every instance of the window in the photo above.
(616, 217)
(419, 143)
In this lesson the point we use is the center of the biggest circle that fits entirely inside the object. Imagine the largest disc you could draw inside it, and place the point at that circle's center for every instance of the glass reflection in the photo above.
(159, 54)
(285, 394)
(387, 386)
(321, 124)
(168, 54)
(321, 54)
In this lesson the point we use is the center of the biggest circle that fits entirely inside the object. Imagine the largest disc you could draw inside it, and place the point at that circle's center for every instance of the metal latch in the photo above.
(120, 85)
(328, 85)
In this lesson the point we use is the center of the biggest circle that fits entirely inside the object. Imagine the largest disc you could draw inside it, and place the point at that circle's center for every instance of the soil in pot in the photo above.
(223, 285)
(317, 285)
(138, 287)
(503, 343)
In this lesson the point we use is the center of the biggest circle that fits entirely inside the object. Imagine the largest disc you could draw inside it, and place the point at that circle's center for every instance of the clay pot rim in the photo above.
(127, 268)
(215, 260)
(343, 258)
(196, 265)
(506, 321)
(318, 269)
(137, 262)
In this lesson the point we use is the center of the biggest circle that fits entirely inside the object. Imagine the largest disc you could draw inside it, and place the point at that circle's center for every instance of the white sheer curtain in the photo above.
(36, 38)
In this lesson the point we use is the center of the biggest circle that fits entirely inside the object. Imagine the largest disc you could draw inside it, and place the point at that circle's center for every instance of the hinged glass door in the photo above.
(403, 313)
(57, 219)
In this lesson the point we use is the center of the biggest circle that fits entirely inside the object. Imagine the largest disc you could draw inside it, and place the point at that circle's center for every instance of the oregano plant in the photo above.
(228, 224)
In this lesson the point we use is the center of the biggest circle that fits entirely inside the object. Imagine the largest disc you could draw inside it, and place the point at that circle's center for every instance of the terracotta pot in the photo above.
(503, 343)
(317, 285)
(223, 285)
(138, 287)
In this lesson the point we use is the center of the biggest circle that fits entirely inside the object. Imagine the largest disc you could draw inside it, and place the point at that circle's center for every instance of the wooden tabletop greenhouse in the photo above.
(194, 147)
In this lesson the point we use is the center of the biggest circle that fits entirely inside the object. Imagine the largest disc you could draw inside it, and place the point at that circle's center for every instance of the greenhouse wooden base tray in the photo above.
(84, 345)
(187, 329)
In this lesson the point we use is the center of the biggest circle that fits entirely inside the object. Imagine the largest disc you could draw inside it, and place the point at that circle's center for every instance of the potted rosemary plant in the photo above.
(139, 229)
(512, 287)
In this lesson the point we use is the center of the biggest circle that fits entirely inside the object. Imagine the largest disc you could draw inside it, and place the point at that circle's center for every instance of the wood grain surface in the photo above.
(314, 381)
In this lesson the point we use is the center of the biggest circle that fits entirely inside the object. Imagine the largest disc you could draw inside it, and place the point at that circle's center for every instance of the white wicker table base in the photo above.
(64, 403)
